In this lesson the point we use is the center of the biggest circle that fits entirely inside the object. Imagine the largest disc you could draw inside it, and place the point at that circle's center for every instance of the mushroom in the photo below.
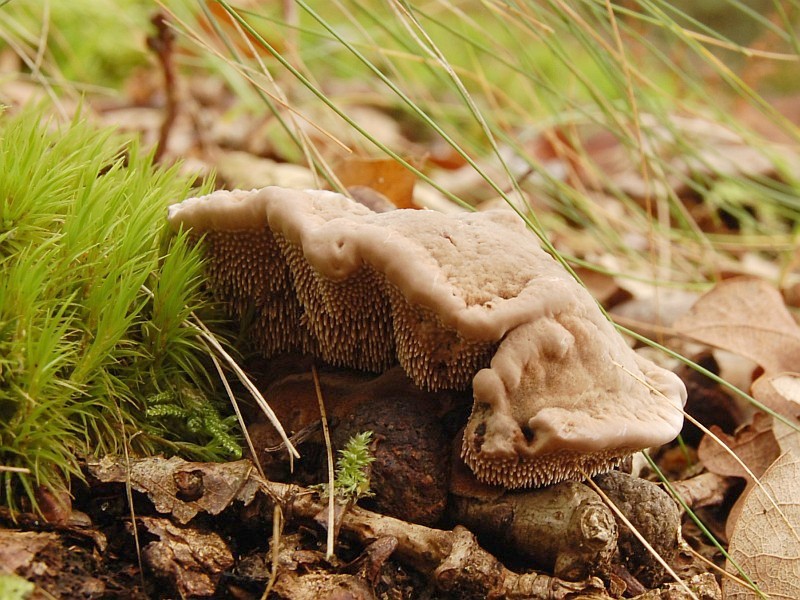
(455, 300)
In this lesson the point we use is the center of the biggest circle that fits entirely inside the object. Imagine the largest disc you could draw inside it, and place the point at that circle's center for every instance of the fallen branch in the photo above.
(453, 558)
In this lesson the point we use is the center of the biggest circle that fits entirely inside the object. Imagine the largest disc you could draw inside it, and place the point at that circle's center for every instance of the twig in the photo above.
(235, 405)
(129, 497)
(206, 334)
(162, 43)
(277, 526)
(210, 340)
(14, 469)
(452, 558)
(328, 450)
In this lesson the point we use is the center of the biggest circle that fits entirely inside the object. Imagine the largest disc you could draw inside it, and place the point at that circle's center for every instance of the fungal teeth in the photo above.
(542, 470)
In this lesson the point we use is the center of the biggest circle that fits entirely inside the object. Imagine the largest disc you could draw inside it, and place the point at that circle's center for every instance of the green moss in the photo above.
(352, 475)
(94, 303)
(13, 587)
(352, 467)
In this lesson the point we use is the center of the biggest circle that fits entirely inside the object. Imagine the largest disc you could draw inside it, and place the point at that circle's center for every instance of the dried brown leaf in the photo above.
(246, 171)
(192, 559)
(18, 549)
(384, 175)
(54, 504)
(766, 540)
(312, 586)
(754, 444)
(604, 287)
(746, 316)
(181, 488)
(756, 447)
(781, 393)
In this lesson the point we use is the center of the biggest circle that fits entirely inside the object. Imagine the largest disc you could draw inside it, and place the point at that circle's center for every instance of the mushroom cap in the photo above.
(455, 300)
(565, 396)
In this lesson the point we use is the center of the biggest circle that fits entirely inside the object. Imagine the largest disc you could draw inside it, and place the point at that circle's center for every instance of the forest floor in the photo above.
(156, 527)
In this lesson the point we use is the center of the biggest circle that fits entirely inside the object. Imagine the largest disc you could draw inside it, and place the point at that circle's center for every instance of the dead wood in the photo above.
(452, 558)
(564, 529)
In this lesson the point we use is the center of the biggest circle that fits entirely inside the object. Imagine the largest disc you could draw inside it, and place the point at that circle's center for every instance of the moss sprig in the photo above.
(351, 478)
(190, 414)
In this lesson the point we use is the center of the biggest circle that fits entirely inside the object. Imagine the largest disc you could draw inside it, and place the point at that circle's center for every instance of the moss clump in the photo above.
(93, 306)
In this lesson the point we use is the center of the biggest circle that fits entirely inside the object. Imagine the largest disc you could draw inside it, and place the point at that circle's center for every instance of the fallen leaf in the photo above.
(604, 287)
(649, 306)
(312, 586)
(384, 175)
(717, 151)
(781, 393)
(756, 447)
(192, 559)
(244, 171)
(181, 488)
(55, 505)
(19, 548)
(369, 563)
(766, 540)
(245, 42)
(754, 444)
(746, 316)
(371, 198)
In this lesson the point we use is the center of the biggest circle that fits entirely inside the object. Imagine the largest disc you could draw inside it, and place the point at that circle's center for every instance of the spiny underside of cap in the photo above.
(446, 297)
(542, 470)
(362, 322)
(365, 319)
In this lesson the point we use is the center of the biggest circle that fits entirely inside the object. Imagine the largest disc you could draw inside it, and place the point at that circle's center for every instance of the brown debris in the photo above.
(321, 586)
(190, 559)
(58, 568)
(707, 402)
(454, 560)
(19, 548)
(703, 586)
(706, 489)
(214, 485)
(369, 562)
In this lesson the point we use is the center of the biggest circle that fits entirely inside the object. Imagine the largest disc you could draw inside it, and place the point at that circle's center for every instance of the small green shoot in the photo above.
(352, 482)
(190, 414)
